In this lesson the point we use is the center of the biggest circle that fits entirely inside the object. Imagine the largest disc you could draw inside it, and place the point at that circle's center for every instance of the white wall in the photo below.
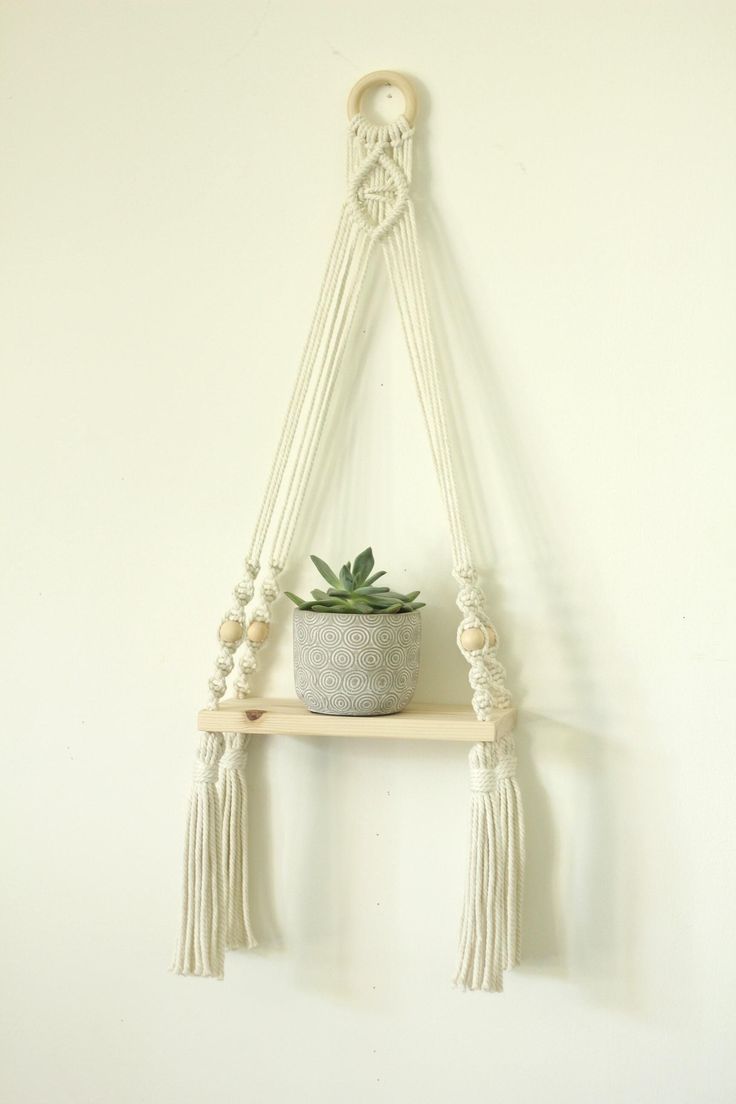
(171, 176)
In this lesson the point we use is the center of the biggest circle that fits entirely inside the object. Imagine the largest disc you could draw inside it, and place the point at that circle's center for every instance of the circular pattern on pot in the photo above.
(354, 664)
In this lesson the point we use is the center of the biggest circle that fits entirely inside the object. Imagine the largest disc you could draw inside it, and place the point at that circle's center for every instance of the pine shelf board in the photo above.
(288, 717)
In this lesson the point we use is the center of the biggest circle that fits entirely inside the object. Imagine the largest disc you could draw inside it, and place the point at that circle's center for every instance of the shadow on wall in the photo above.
(581, 924)
(580, 917)
(260, 852)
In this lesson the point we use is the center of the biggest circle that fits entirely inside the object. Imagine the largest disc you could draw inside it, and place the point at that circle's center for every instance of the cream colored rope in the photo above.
(378, 209)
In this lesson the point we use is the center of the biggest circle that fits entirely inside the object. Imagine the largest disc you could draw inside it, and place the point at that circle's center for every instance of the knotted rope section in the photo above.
(377, 215)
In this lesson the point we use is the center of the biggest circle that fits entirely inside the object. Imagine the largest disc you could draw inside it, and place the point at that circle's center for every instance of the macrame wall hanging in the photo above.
(377, 218)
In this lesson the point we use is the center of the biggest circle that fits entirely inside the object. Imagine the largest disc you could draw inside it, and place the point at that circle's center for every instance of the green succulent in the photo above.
(353, 590)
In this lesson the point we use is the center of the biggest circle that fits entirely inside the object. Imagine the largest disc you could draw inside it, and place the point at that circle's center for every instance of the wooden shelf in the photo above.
(285, 717)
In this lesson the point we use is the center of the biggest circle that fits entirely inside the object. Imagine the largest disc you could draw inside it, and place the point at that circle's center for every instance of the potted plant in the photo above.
(356, 645)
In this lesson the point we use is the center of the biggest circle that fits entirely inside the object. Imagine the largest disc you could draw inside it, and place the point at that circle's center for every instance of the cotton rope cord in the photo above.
(320, 362)
(234, 797)
(327, 305)
(346, 280)
(335, 313)
(200, 947)
(491, 923)
(490, 940)
(337, 332)
(293, 413)
(377, 209)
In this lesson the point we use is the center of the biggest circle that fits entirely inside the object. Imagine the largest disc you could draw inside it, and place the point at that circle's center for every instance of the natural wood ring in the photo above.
(384, 76)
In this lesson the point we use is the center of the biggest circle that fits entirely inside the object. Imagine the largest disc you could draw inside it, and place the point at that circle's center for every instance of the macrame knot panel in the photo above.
(379, 175)
(378, 183)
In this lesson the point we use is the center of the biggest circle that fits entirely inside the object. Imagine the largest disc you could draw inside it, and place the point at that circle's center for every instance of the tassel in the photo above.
(490, 938)
(234, 796)
(200, 947)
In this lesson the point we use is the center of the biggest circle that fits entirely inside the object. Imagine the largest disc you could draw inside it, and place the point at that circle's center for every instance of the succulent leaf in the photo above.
(325, 571)
(362, 566)
(352, 591)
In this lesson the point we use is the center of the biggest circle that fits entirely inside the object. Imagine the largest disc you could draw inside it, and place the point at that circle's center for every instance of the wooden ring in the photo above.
(384, 76)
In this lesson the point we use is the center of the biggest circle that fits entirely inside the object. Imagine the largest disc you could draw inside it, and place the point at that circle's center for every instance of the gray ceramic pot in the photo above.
(356, 664)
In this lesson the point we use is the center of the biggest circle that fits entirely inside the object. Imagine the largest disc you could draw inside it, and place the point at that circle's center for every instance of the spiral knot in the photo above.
(479, 676)
(225, 662)
(244, 590)
(470, 597)
(270, 590)
(483, 699)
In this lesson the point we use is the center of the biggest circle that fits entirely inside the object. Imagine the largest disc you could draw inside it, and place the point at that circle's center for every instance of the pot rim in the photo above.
(363, 616)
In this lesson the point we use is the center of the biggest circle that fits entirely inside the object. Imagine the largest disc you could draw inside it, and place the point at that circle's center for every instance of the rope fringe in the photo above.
(234, 797)
(490, 936)
(200, 948)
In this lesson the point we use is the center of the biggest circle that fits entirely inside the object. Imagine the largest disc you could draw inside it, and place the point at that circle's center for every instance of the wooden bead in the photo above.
(257, 632)
(231, 632)
(472, 640)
